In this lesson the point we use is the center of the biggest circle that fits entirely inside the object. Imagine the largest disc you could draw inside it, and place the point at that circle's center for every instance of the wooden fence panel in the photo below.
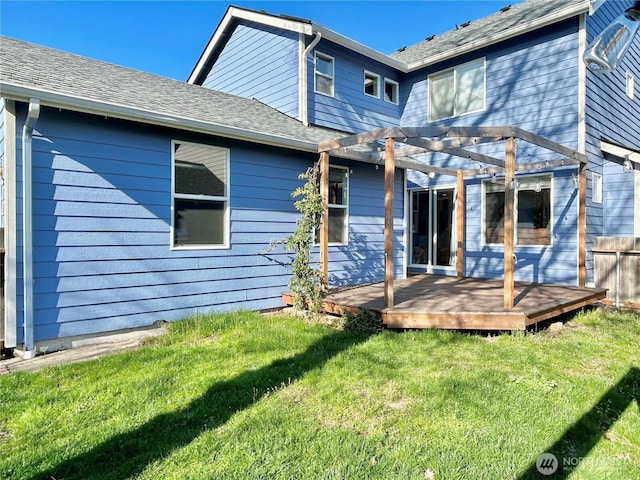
(617, 268)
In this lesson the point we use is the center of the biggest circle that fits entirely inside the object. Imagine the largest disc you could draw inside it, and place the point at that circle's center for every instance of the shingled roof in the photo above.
(70, 81)
(508, 21)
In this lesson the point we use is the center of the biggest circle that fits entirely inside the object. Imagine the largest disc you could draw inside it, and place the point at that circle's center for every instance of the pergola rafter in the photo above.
(397, 147)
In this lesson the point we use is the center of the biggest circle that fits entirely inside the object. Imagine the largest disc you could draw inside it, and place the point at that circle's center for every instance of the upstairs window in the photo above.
(391, 91)
(200, 195)
(457, 91)
(532, 215)
(371, 84)
(324, 74)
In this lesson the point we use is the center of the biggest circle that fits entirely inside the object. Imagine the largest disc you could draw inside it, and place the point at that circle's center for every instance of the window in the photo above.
(391, 91)
(371, 84)
(324, 74)
(200, 195)
(532, 211)
(338, 206)
(457, 91)
(630, 84)
(596, 188)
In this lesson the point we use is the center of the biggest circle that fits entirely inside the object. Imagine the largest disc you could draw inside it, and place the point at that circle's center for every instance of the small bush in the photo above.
(364, 321)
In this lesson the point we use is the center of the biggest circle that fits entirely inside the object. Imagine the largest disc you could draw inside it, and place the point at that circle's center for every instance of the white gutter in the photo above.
(303, 100)
(27, 223)
(504, 35)
(85, 105)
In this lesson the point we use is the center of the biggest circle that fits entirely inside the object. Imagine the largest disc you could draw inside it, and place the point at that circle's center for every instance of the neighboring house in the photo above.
(154, 199)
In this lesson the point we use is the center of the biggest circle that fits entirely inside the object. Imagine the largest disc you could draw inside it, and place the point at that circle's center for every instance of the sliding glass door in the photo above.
(432, 227)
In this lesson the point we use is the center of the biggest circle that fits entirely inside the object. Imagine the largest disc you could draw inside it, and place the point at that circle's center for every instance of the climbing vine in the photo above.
(306, 281)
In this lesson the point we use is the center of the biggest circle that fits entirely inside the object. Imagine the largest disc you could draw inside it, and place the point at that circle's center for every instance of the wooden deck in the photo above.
(432, 301)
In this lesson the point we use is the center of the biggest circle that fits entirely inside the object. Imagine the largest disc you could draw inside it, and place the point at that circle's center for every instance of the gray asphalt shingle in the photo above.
(32, 66)
(486, 27)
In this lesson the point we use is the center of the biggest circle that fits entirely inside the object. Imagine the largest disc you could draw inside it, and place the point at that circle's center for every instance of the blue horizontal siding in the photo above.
(555, 263)
(102, 214)
(350, 109)
(259, 62)
(612, 115)
(531, 82)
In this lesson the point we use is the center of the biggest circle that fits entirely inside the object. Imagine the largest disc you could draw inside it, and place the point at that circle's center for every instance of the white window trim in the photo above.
(454, 69)
(388, 81)
(376, 78)
(596, 187)
(329, 58)
(630, 85)
(345, 233)
(515, 213)
(345, 207)
(225, 199)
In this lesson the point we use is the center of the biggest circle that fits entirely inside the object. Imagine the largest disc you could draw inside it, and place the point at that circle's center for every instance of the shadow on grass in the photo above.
(582, 436)
(128, 454)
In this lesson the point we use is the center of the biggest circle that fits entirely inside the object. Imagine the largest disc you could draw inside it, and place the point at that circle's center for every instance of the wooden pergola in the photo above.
(396, 146)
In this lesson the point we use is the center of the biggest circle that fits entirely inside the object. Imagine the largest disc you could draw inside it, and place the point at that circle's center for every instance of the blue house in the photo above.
(130, 198)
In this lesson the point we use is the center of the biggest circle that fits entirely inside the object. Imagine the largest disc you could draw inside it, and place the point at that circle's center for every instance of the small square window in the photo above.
(596, 188)
(630, 85)
(372, 84)
(391, 91)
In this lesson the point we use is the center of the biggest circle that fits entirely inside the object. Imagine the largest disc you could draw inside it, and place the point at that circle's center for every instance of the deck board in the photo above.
(432, 301)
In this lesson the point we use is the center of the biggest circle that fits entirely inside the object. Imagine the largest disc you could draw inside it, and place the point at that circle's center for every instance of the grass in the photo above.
(270, 397)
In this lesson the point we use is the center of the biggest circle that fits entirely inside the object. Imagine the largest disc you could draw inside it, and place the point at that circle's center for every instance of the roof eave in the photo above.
(527, 27)
(231, 15)
(86, 105)
(357, 47)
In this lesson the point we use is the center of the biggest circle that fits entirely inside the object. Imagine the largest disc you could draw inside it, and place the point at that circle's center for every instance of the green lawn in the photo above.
(244, 396)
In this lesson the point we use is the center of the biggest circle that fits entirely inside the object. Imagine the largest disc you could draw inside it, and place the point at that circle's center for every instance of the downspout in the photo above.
(27, 224)
(303, 107)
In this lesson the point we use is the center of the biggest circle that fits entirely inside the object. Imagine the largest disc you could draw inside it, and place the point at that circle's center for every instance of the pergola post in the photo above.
(582, 225)
(324, 220)
(389, 180)
(510, 188)
(460, 224)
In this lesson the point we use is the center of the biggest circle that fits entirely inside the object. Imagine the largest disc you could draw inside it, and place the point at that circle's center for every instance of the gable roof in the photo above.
(502, 25)
(234, 15)
(65, 80)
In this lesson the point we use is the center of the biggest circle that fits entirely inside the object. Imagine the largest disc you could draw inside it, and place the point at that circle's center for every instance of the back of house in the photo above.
(129, 198)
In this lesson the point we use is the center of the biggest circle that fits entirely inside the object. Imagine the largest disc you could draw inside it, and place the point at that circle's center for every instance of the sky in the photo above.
(166, 37)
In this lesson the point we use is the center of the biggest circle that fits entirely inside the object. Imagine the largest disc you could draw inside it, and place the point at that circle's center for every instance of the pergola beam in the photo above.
(360, 138)
(389, 185)
(450, 140)
(523, 167)
(452, 148)
(508, 225)
(404, 162)
(324, 221)
(458, 132)
(549, 145)
(582, 225)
